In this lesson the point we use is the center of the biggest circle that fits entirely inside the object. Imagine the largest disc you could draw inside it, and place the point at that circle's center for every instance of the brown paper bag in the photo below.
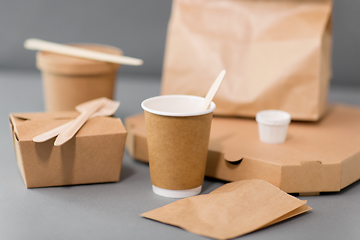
(277, 54)
(232, 210)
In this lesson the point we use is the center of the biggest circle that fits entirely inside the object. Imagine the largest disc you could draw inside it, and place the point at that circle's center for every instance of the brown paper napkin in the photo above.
(232, 210)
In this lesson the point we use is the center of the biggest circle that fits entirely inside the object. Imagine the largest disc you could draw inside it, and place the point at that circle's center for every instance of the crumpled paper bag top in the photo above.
(277, 54)
(232, 210)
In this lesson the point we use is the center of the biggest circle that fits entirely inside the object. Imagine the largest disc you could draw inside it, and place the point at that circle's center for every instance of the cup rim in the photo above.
(283, 117)
(174, 114)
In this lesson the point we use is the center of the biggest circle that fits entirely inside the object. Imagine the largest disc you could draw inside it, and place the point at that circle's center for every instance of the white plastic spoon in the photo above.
(212, 91)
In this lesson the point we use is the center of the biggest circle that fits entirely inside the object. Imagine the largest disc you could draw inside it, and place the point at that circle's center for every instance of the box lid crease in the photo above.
(28, 125)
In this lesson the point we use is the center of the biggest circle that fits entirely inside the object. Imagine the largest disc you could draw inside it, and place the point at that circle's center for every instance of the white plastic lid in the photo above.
(273, 117)
(176, 105)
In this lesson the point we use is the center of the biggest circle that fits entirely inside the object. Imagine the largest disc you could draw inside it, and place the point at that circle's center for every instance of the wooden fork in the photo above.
(107, 110)
(86, 113)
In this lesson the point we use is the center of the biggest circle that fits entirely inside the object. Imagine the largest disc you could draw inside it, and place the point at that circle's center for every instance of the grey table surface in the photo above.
(112, 210)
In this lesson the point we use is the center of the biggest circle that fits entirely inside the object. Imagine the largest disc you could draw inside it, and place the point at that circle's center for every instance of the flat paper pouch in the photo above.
(232, 210)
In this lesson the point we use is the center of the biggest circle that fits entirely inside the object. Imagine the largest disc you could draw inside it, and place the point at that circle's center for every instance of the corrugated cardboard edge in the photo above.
(308, 177)
(311, 177)
(350, 170)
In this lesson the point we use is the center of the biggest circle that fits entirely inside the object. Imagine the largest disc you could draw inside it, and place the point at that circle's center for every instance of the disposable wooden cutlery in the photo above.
(86, 113)
(107, 110)
(212, 91)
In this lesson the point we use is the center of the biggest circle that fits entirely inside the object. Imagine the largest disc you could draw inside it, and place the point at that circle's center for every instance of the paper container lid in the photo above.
(176, 105)
(273, 117)
(68, 65)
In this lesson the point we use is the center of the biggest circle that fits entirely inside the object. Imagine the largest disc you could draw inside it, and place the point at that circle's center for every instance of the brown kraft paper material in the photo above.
(232, 210)
(277, 54)
(303, 164)
(69, 81)
(94, 155)
(177, 149)
(63, 93)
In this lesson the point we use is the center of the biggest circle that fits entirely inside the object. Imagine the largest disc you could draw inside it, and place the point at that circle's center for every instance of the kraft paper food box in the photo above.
(316, 157)
(94, 155)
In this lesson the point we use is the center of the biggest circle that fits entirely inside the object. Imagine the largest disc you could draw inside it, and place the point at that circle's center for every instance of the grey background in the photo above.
(111, 211)
(138, 27)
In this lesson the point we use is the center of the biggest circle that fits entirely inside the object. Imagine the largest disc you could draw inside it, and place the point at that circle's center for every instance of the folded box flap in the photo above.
(45, 115)
(28, 125)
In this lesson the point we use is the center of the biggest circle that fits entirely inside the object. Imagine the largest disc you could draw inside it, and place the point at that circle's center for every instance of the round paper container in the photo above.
(69, 81)
(178, 139)
(176, 193)
(273, 125)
